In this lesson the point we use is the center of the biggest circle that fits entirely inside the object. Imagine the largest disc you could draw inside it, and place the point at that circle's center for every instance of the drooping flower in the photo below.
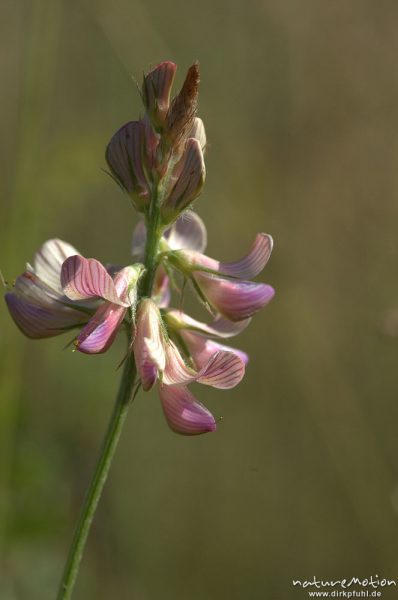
(222, 286)
(37, 302)
(159, 359)
(203, 340)
(85, 278)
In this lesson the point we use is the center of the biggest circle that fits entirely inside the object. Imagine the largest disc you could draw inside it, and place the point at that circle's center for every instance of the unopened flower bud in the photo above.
(124, 155)
(156, 89)
(189, 176)
(181, 115)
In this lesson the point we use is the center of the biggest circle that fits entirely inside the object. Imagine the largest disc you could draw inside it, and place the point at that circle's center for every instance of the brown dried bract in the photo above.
(183, 108)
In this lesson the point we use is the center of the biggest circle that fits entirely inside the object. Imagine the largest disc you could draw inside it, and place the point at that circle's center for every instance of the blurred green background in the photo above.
(300, 103)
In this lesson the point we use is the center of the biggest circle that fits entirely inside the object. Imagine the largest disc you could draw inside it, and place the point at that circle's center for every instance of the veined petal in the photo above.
(190, 174)
(149, 350)
(223, 370)
(86, 277)
(202, 349)
(124, 155)
(219, 328)
(184, 414)
(246, 268)
(188, 232)
(99, 333)
(41, 321)
(156, 90)
(236, 300)
(48, 262)
(254, 262)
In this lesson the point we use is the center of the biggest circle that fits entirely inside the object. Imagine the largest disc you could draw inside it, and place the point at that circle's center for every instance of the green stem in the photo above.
(122, 405)
(154, 233)
(123, 402)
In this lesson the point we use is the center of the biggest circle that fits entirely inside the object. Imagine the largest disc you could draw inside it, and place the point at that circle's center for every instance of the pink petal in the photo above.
(254, 262)
(223, 370)
(188, 232)
(48, 262)
(236, 300)
(43, 321)
(124, 157)
(190, 174)
(156, 90)
(86, 277)
(246, 268)
(184, 414)
(97, 336)
(202, 349)
(220, 327)
(149, 350)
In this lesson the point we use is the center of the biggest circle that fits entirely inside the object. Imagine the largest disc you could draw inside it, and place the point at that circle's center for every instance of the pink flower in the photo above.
(159, 359)
(84, 278)
(220, 284)
(37, 302)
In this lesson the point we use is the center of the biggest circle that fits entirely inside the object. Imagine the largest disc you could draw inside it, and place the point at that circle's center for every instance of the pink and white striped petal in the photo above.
(99, 333)
(45, 320)
(149, 352)
(219, 328)
(223, 370)
(48, 262)
(202, 349)
(85, 278)
(235, 300)
(246, 268)
(184, 414)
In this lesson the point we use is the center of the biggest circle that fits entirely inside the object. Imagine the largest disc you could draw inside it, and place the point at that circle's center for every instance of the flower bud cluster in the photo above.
(158, 161)
(161, 155)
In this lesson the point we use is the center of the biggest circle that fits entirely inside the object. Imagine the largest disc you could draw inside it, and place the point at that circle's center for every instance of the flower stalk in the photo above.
(123, 402)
